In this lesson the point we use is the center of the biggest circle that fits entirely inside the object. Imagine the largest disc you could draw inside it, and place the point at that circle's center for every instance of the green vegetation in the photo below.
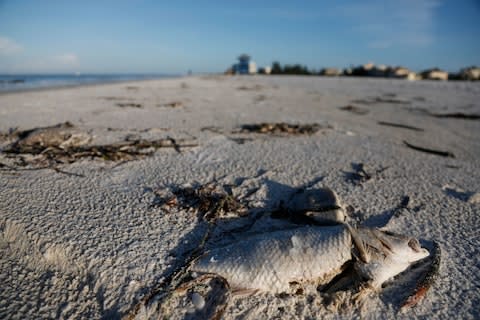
(290, 69)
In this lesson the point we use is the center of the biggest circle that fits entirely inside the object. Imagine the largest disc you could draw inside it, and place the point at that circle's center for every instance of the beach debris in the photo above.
(128, 105)
(112, 98)
(281, 128)
(354, 109)
(360, 174)
(260, 98)
(132, 88)
(213, 129)
(210, 201)
(63, 136)
(48, 147)
(457, 115)
(304, 257)
(308, 257)
(173, 104)
(256, 87)
(399, 125)
(428, 150)
(379, 100)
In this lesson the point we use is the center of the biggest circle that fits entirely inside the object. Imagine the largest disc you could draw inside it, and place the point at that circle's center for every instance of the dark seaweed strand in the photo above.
(398, 125)
(432, 151)
(426, 282)
(457, 115)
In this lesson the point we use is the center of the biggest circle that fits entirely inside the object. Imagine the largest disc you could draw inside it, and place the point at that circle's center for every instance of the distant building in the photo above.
(265, 70)
(376, 71)
(245, 65)
(470, 73)
(434, 74)
(329, 72)
(402, 73)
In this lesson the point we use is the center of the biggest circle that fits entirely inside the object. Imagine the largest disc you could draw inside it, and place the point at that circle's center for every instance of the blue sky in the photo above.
(137, 36)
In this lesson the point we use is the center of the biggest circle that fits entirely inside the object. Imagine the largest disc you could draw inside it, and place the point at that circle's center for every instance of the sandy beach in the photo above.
(89, 238)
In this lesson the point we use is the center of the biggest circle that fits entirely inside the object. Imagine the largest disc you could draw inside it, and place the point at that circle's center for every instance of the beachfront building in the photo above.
(402, 73)
(434, 74)
(329, 72)
(265, 70)
(245, 65)
(470, 73)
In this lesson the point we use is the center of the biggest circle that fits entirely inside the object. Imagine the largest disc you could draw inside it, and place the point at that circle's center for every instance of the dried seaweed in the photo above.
(354, 109)
(281, 128)
(210, 201)
(256, 87)
(126, 150)
(213, 129)
(63, 143)
(173, 104)
(398, 125)
(112, 98)
(431, 151)
(129, 105)
(457, 115)
(377, 100)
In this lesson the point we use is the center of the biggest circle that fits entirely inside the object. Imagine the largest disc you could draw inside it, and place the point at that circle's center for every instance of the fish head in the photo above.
(383, 254)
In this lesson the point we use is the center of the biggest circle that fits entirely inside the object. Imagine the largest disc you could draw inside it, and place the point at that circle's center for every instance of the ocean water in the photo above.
(10, 83)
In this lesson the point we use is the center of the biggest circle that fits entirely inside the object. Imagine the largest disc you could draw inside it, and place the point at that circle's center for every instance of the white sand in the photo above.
(91, 247)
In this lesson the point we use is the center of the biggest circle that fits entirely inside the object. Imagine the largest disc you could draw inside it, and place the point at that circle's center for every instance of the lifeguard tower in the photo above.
(245, 65)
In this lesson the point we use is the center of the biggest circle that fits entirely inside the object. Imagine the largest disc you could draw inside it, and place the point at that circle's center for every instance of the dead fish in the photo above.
(272, 262)
(63, 135)
(322, 205)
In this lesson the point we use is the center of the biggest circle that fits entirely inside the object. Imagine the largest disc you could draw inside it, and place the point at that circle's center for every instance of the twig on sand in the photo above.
(431, 151)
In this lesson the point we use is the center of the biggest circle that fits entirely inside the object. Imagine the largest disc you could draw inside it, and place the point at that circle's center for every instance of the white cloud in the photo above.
(387, 23)
(68, 59)
(8, 46)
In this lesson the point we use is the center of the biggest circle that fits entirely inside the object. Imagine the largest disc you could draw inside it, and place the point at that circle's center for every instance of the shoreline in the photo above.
(70, 86)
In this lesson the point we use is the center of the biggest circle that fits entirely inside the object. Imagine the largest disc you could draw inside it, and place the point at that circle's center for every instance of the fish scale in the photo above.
(270, 262)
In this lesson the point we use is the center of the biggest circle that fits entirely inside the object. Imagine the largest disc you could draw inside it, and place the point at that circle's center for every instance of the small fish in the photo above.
(273, 261)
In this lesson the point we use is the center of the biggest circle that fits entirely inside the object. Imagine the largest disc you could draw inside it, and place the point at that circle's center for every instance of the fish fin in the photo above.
(359, 244)
(243, 292)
